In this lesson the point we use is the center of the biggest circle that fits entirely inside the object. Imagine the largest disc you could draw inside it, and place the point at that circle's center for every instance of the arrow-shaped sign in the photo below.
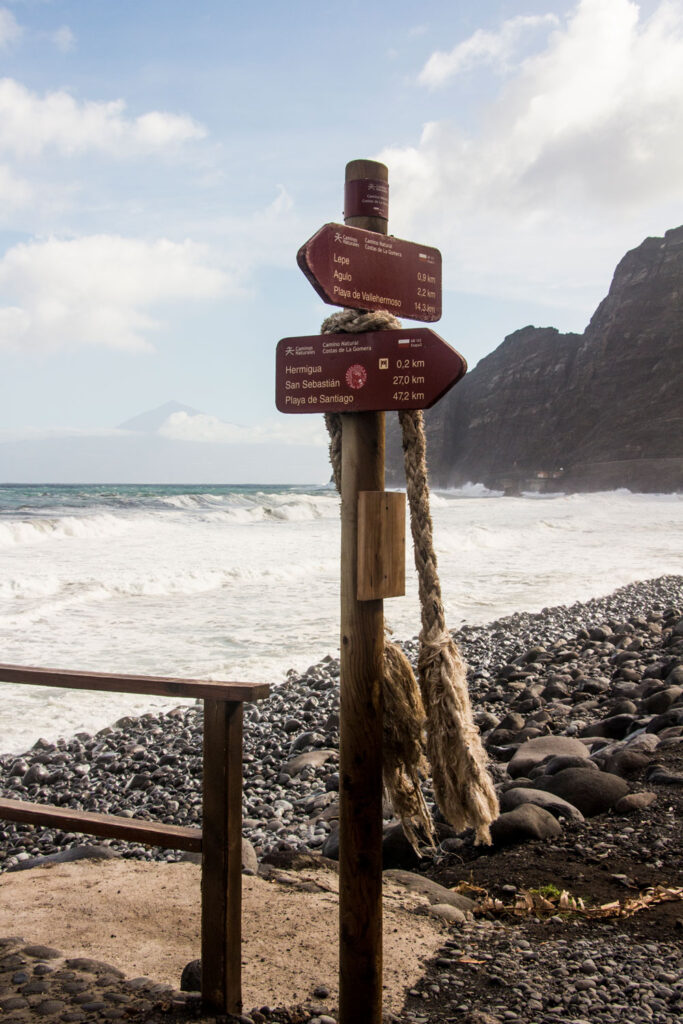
(367, 270)
(379, 370)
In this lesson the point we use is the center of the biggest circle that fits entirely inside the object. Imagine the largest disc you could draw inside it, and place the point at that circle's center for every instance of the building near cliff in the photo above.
(576, 412)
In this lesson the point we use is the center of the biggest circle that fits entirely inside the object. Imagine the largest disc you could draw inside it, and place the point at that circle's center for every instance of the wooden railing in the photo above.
(220, 838)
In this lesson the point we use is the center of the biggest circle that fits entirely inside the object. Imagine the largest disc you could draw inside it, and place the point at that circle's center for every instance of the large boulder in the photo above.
(434, 892)
(524, 823)
(659, 702)
(556, 806)
(397, 851)
(672, 717)
(627, 762)
(592, 792)
(558, 764)
(614, 728)
(534, 751)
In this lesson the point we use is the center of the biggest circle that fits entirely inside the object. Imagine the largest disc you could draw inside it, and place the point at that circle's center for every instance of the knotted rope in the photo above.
(462, 785)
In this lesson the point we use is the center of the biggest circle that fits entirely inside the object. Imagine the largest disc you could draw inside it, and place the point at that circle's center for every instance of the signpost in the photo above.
(367, 270)
(361, 706)
(370, 372)
(361, 376)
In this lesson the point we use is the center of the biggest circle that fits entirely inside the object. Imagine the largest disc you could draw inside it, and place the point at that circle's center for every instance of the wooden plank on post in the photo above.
(108, 682)
(381, 544)
(111, 826)
(222, 858)
(361, 705)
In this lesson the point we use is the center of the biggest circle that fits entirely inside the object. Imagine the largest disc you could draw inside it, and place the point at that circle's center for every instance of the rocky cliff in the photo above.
(591, 411)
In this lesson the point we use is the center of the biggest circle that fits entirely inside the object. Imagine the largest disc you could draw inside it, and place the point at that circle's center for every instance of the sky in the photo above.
(161, 164)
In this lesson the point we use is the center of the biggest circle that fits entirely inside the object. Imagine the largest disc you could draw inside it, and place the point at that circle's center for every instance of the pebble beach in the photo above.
(581, 711)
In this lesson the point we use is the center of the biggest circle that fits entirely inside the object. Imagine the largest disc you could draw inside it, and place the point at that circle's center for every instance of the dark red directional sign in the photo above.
(379, 370)
(366, 270)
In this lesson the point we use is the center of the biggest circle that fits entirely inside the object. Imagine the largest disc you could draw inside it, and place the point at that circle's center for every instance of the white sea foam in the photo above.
(471, 490)
(42, 530)
(244, 583)
(28, 587)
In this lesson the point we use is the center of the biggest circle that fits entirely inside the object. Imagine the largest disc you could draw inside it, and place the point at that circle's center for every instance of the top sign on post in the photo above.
(366, 197)
(367, 270)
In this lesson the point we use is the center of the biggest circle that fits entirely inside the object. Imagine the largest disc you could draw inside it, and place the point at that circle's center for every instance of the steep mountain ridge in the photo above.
(591, 411)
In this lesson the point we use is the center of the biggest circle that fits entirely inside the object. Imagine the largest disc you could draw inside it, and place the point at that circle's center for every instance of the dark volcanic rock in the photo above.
(558, 764)
(555, 805)
(627, 763)
(533, 752)
(62, 856)
(576, 412)
(397, 851)
(614, 728)
(526, 822)
(191, 978)
(592, 792)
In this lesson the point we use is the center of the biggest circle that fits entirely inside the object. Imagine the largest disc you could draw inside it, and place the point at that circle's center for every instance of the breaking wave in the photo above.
(41, 530)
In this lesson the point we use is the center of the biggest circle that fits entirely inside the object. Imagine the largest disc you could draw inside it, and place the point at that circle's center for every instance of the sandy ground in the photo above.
(144, 918)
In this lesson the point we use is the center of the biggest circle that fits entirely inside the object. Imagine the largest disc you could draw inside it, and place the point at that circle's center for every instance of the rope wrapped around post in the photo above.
(463, 788)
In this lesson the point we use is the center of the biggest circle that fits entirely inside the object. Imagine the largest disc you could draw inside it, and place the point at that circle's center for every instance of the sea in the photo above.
(242, 583)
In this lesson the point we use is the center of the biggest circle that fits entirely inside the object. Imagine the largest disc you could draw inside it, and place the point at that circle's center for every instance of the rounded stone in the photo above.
(592, 792)
(42, 952)
(558, 807)
(524, 823)
(50, 1006)
(536, 750)
(445, 912)
(635, 802)
(191, 978)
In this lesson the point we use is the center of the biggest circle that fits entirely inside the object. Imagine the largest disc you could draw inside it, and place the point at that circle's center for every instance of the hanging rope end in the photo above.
(482, 836)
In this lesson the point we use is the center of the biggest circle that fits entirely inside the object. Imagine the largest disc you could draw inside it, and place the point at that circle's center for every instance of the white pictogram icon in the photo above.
(384, 364)
(337, 236)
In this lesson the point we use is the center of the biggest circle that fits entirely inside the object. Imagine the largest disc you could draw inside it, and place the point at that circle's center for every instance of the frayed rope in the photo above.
(463, 788)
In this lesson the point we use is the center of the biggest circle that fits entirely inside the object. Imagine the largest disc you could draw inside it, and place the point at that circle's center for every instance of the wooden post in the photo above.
(360, 777)
(381, 544)
(222, 858)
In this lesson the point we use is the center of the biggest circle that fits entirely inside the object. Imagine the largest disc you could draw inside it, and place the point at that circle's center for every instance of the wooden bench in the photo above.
(219, 840)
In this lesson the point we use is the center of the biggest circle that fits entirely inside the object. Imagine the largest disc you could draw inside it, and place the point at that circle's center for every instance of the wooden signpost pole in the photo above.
(360, 777)
(357, 375)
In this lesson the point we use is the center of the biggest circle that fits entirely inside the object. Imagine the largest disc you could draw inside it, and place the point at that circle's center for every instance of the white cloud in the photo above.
(267, 236)
(579, 156)
(181, 426)
(31, 124)
(14, 192)
(10, 30)
(483, 48)
(98, 290)
(64, 39)
(157, 130)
